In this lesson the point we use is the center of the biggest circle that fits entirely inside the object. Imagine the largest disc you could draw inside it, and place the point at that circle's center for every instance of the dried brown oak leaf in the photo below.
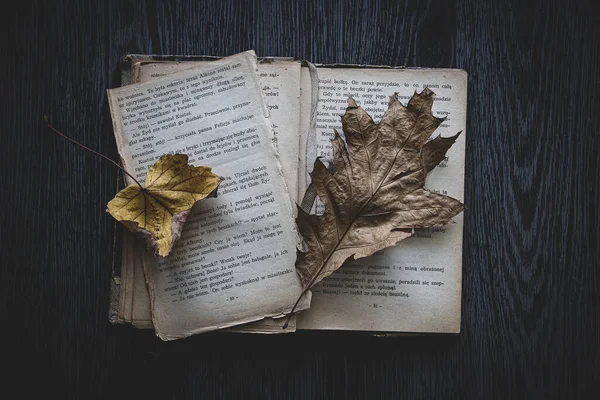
(159, 210)
(376, 187)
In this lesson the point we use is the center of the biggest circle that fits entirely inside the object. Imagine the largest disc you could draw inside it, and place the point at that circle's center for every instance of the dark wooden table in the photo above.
(531, 312)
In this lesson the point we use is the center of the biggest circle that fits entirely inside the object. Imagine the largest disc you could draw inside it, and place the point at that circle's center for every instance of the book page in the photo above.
(127, 290)
(280, 81)
(416, 285)
(234, 261)
(309, 88)
(141, 314)
(125, 293)
(281, 85)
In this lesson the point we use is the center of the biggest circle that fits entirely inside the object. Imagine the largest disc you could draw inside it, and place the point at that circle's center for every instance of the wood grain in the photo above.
(531, 308)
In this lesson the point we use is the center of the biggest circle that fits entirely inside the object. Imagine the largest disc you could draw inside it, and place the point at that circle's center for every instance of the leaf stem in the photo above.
(90, 150)
(289, 316)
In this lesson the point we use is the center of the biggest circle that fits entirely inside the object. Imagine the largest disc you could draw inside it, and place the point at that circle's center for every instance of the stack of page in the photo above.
(260, 124)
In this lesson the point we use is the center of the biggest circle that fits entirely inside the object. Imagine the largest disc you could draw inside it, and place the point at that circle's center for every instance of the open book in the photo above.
(260, 125)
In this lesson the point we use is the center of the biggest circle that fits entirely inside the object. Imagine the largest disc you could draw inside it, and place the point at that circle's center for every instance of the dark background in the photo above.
(531, 320)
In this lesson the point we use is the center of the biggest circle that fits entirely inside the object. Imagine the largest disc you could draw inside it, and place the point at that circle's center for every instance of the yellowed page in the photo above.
(280, 81)
(415, 286)
(124, 303)
(233, 263)
(128, 286)
(306, 150)
(141, 314)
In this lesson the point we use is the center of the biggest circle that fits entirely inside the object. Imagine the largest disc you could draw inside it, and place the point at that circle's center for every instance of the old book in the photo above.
(414, 287)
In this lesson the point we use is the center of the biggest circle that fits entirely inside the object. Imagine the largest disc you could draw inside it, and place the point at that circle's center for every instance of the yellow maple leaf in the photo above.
(159, 210)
